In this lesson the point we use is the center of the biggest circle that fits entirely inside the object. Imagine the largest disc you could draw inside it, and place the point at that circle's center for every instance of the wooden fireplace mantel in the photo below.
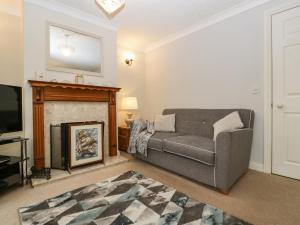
(52, 91)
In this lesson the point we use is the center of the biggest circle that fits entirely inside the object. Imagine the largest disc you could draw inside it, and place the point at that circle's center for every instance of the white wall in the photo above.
(35, 30)
(11, 55)
(132, 81)
(217, 67)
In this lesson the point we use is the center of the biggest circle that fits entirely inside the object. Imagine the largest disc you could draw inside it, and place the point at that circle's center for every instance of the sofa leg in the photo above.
(224, 191)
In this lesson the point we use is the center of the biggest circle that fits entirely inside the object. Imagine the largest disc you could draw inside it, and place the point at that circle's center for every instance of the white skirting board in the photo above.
(256, 166)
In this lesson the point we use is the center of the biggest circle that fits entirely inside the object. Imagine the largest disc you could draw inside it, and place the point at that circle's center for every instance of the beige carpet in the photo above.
(257, 198)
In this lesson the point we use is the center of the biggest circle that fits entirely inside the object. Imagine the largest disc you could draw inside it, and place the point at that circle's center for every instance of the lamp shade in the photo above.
(129, 103)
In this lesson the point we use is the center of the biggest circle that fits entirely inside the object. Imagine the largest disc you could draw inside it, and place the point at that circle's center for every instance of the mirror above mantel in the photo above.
(73, 51)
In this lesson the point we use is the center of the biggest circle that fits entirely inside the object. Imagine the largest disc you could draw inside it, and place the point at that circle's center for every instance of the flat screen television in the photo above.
(10, 109)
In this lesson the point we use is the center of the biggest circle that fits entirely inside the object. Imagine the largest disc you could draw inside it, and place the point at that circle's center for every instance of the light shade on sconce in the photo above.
(129, 57)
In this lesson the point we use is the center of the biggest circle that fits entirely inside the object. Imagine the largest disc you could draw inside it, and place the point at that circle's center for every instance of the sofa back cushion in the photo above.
(200, 121)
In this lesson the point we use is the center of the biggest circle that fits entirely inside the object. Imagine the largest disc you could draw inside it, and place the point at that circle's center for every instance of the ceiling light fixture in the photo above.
(110, 6)
(66, 49)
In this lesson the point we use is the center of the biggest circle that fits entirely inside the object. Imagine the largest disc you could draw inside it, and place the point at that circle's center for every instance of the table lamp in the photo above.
(129, 103)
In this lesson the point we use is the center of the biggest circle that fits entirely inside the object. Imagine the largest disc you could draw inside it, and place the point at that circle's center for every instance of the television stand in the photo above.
(14, 170)
(4, 159)
(8, 140)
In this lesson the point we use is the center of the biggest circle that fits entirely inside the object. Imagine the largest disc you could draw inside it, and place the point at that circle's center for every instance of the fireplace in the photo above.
(44, 92)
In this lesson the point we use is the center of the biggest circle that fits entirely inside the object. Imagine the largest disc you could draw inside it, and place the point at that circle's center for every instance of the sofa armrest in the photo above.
(233, 150)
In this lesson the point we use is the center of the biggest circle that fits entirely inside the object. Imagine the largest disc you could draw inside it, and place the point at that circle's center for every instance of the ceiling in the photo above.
(144, 22)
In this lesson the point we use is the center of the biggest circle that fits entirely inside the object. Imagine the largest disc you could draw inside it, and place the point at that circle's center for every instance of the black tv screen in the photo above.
(10, 109)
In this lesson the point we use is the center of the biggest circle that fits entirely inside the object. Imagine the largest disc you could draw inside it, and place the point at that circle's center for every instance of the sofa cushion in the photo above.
(156, 141)
(193, 147)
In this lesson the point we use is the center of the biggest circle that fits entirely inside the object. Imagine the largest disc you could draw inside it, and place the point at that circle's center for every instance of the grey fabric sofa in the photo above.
(191, 151)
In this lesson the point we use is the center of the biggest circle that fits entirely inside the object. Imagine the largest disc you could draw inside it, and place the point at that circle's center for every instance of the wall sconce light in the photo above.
(129, 57)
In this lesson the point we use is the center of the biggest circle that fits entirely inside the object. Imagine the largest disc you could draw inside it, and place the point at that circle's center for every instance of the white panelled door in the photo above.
(286, 93)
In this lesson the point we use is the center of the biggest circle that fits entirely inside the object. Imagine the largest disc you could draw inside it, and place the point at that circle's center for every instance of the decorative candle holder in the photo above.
(79, 79)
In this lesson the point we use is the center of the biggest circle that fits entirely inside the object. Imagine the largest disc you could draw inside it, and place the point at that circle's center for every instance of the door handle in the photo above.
(280, 106)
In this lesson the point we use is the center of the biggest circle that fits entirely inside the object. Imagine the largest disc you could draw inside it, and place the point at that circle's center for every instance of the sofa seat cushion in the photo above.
(192, 147)
(156, 141)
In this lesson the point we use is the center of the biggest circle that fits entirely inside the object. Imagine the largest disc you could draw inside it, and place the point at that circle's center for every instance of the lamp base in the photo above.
(129, 121)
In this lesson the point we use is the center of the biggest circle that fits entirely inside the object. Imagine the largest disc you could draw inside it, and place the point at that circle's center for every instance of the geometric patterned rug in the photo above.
(127, 199)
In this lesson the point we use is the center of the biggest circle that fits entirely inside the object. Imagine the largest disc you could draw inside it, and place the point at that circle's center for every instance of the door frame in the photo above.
(268, 82)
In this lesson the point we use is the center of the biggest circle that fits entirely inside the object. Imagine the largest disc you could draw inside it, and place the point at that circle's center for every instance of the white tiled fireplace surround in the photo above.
(66, 112)
(57, 112)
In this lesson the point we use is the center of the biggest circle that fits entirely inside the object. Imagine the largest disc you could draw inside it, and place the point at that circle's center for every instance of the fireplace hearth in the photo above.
(63, 174)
